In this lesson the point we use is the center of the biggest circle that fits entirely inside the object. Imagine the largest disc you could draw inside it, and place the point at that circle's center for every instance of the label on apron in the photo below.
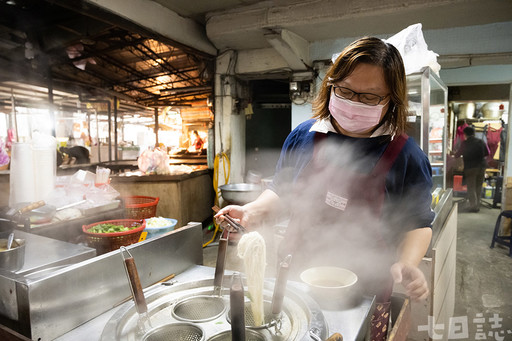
(336, 201)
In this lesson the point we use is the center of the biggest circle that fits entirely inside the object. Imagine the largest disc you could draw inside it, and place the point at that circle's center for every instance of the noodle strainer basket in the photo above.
(206, 307)
(250, 335)
(175, 332)
(268, 318)
(199, 308)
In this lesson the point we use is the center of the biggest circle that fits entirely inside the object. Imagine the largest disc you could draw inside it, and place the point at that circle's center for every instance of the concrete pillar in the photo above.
(229, 124)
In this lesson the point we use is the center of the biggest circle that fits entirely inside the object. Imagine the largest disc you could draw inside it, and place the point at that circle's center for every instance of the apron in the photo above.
(336, 220)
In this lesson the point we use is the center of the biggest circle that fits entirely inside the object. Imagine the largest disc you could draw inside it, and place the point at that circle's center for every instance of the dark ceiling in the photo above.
(73, 46)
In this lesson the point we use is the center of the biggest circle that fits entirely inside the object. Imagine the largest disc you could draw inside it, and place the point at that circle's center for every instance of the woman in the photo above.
(358, 189)
(198, 142)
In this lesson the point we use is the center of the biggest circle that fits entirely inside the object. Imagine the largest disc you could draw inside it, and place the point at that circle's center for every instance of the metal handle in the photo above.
(10, 240)
(335, 337)
(237, 306)
(71, 205)
(31, 207)
(219, 267)
(313, 333)
(135, 286)
(280, 286)
(231, 222)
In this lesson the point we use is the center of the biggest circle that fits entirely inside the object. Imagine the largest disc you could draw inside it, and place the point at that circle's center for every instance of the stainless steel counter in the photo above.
(442, 210)
(41, 255)
(46, 304)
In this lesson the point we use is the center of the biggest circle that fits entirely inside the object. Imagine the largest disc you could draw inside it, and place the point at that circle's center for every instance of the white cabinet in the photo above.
(438, 266)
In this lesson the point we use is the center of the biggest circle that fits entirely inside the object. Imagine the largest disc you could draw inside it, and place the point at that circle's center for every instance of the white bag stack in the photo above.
(414, 50)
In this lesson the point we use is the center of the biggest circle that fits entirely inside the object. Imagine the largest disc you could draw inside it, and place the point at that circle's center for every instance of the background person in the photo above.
(198, 142)
(357, 188)
(473, 151)
(76, 155)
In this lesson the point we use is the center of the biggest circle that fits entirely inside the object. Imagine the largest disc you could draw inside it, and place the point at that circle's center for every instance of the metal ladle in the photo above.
(137, 293)
(10, 239)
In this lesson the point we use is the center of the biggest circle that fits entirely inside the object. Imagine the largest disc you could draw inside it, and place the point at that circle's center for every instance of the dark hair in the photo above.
(373, 51)
(469, 131)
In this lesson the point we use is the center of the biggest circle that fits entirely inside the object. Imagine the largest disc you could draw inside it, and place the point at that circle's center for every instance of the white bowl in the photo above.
(157, 231)
(330, 283)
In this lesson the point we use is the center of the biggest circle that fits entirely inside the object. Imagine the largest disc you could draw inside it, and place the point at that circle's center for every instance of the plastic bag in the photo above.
(99, 195)
(4, 157)
(156, 161)
(414, 50)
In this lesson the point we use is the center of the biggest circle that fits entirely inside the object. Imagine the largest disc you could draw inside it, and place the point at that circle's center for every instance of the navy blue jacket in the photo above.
(408, 184)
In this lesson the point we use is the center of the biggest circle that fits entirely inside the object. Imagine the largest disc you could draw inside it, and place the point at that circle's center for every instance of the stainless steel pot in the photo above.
(491, 110)
(14, 258)
(240, 193)
(465, 110)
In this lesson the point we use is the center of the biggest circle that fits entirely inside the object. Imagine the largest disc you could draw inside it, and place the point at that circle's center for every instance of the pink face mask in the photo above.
(354, 117)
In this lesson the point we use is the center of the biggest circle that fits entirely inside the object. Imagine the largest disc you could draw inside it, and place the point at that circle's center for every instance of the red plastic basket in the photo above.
(140, 207)
(106, 242)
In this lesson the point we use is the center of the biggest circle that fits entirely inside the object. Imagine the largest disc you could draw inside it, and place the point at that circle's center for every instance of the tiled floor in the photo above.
(484, 278)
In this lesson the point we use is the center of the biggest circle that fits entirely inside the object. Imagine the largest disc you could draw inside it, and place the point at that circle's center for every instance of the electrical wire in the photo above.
(226, 167)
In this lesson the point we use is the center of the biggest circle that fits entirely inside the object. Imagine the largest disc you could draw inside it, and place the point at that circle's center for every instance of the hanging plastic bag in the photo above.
(414, 50)
(154, 161)
(4, 157)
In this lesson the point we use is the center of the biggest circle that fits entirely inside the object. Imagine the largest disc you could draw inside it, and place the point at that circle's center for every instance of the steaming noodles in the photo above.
(251, 248)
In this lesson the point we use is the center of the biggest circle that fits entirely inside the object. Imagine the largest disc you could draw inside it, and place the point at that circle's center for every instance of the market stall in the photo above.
(185, 196)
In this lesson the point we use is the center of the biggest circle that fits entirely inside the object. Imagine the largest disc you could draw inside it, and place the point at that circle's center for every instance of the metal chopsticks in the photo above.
(231, 222)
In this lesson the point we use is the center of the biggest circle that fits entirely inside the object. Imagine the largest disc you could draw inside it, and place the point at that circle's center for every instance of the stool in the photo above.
(457, 184)
(503, 240)
(459, 190)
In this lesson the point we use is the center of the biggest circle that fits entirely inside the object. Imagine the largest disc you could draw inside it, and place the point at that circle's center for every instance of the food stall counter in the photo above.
(185, 195)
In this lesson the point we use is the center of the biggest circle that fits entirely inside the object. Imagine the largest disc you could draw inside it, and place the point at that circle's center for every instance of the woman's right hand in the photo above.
(252, 214)
(236, 212)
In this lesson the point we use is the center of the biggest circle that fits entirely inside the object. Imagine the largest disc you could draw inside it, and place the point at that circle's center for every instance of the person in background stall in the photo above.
(473, 151)
(86, 139)
(75, 155)
(198, 142)
(357, 188)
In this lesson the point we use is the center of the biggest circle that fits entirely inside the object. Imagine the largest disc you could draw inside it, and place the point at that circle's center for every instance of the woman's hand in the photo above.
(253, 214)
(237, 213)
(412, 279)
(412, 249)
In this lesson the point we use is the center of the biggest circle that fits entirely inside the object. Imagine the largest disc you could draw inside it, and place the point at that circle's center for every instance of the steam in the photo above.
(330, 227)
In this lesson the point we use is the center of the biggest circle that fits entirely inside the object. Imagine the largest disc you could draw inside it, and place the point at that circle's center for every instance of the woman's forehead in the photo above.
(365, 77)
